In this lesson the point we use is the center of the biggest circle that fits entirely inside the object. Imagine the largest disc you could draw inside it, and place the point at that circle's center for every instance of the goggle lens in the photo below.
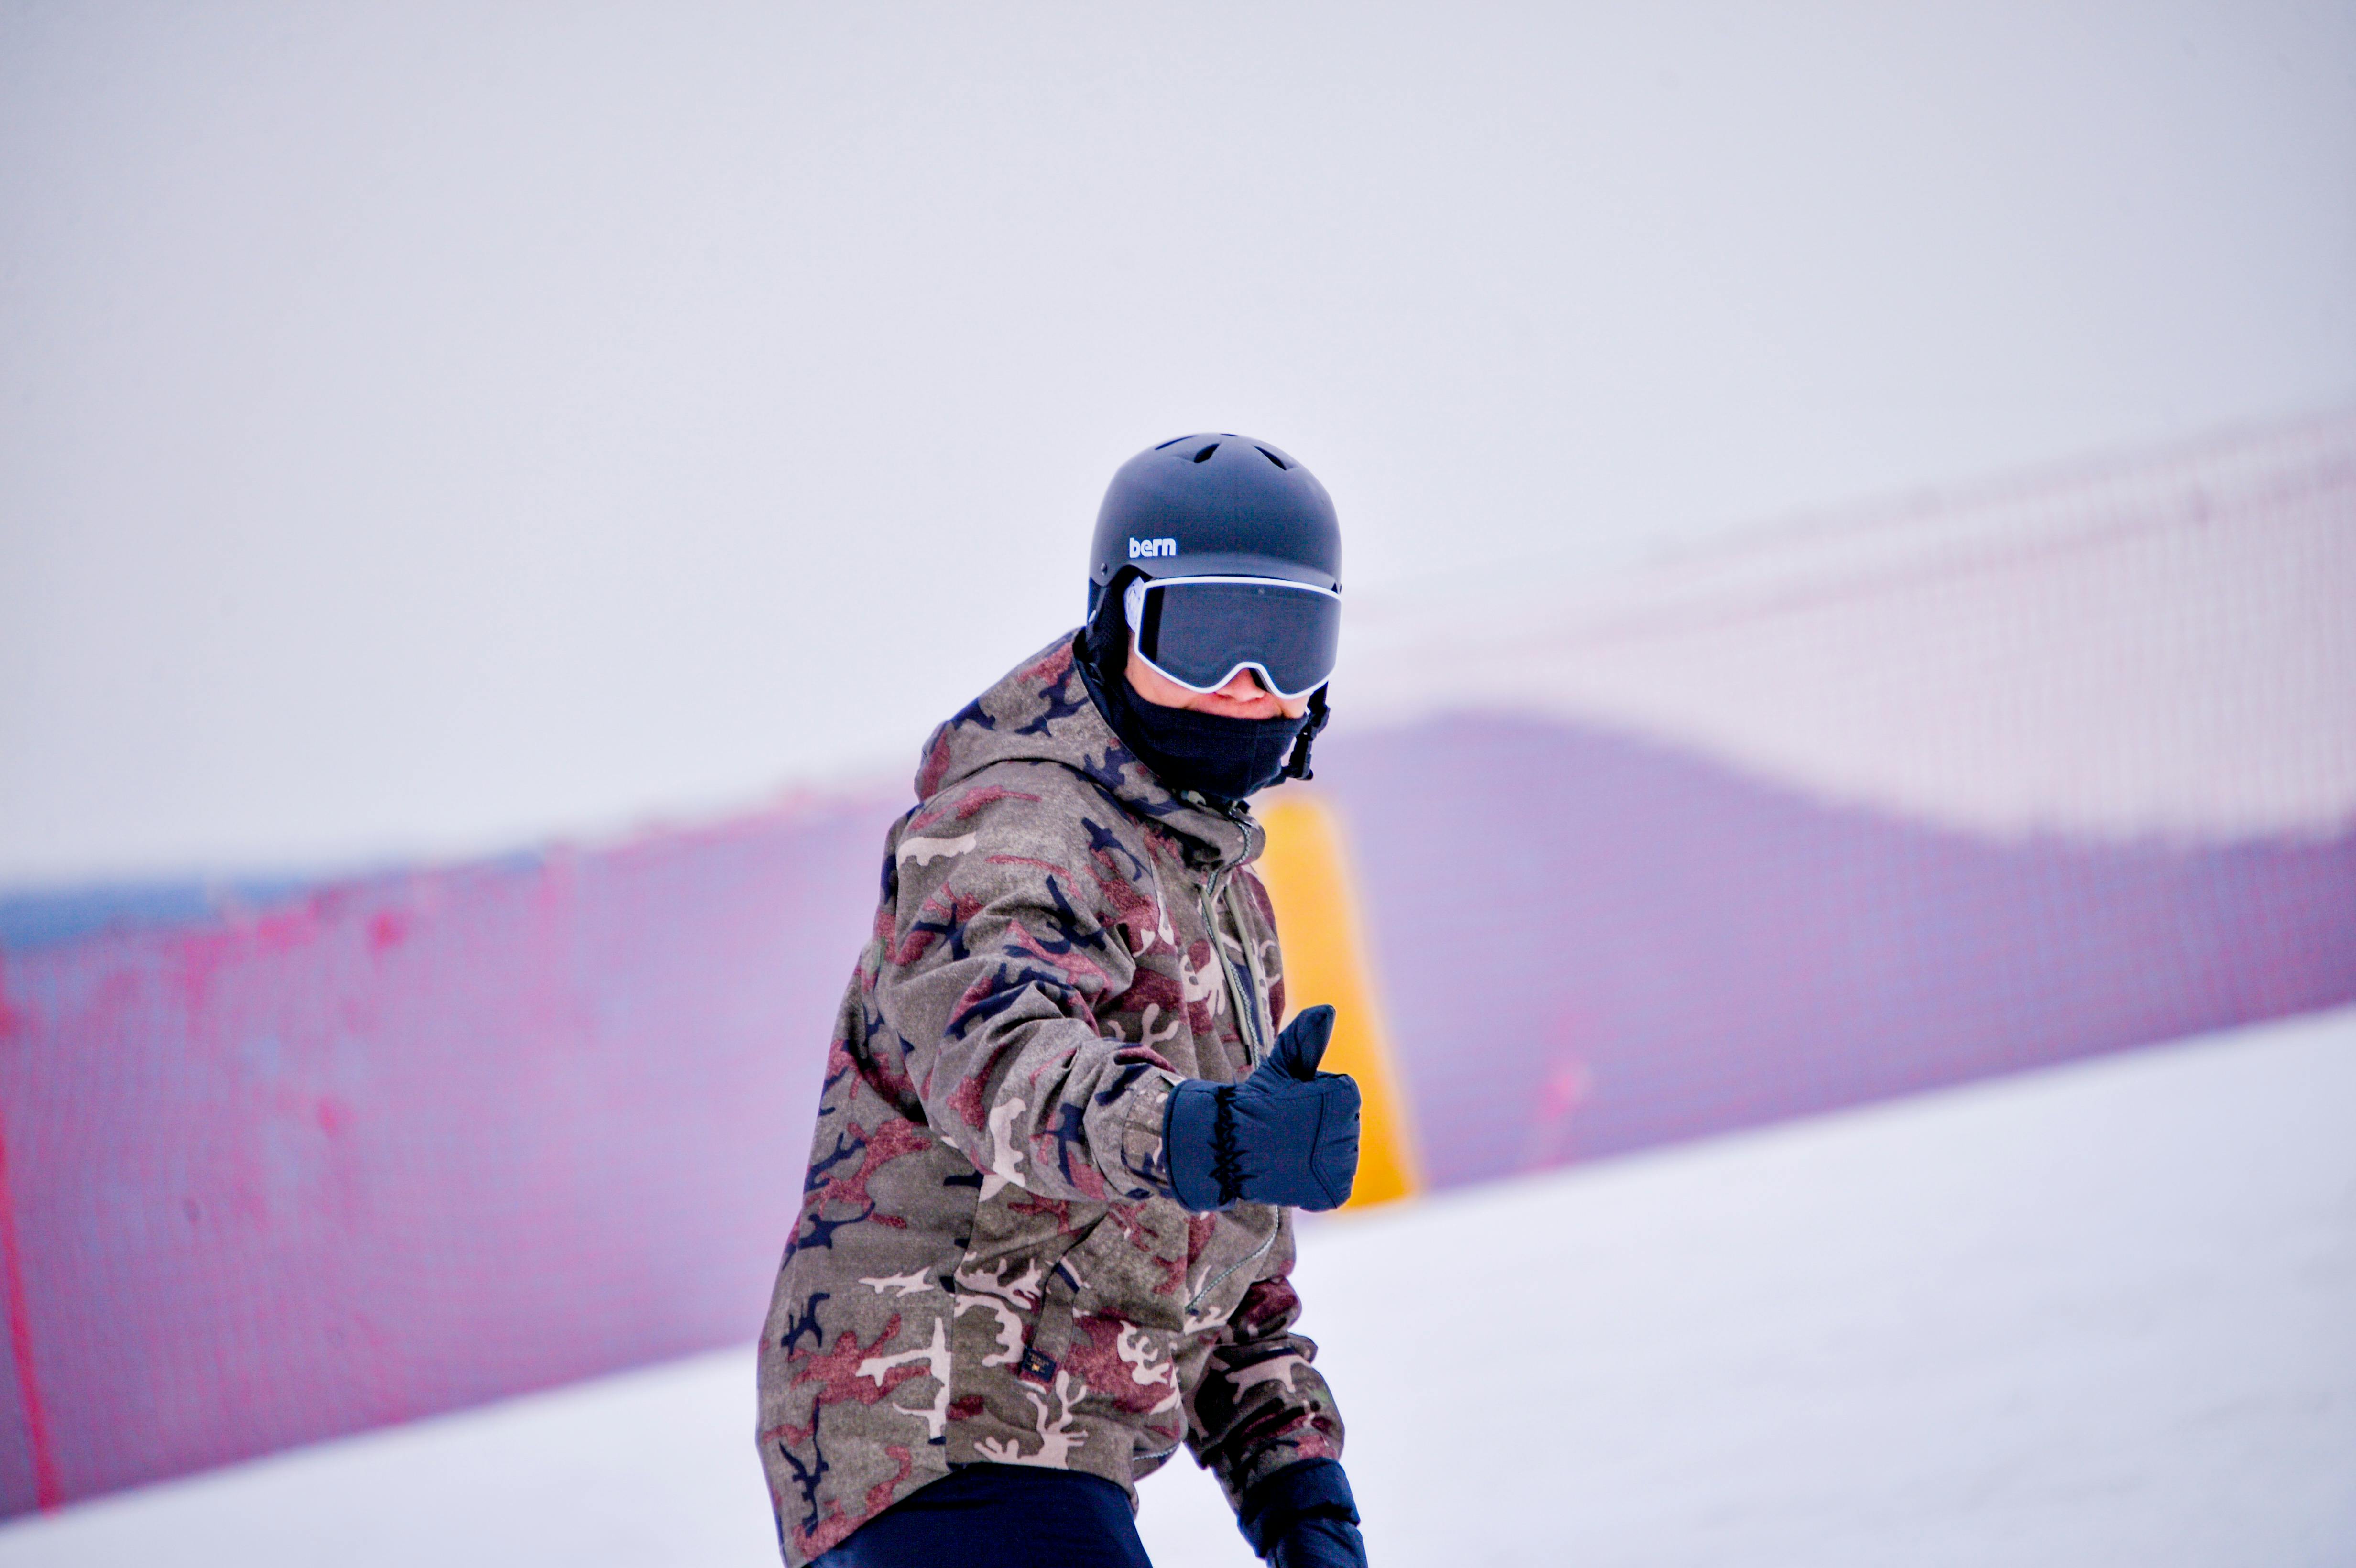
(1200, 631)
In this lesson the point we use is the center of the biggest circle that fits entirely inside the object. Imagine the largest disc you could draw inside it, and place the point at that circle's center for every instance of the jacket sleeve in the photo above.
(999, 955)
(1260, 1405)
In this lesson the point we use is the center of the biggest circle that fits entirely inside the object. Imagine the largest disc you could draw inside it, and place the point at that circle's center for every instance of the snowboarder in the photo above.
(1045, 1233)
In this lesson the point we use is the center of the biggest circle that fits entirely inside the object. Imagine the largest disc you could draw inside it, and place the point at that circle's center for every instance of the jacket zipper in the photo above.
(1262, 1021)
(1212, 896)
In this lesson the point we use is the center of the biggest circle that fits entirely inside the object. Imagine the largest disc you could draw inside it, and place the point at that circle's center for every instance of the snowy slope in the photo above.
(2106, 1313)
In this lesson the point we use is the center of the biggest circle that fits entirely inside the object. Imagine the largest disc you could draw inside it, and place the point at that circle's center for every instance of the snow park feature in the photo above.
(1913, 799)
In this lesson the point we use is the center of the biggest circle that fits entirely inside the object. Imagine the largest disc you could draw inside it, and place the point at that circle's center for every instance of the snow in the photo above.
(2106, 1313)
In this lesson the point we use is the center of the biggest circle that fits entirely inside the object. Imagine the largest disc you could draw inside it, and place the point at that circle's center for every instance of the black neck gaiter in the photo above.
(1220, 758)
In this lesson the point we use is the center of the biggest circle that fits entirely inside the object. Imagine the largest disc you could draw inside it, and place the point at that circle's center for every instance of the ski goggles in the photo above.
(1201, 631)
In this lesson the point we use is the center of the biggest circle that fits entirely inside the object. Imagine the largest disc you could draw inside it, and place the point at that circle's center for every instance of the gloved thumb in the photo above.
(1301, 1046)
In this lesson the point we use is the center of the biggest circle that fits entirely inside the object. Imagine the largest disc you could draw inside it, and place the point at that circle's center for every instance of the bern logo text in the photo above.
(1149, 550)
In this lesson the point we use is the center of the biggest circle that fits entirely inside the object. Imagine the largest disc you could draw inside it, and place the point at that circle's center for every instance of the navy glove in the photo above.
(1320, 1543)
(1289, 1134)
(1304, 1517)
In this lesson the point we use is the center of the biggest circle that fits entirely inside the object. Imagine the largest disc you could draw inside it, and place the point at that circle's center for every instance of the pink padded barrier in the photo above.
(409, 1142)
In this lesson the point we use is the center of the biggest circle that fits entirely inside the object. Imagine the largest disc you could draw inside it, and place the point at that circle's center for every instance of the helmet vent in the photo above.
(1172, 441)
(1204, 455)
(1271, 456)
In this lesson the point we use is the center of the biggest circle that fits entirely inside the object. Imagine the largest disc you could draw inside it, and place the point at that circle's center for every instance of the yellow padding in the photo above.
(1307, 880)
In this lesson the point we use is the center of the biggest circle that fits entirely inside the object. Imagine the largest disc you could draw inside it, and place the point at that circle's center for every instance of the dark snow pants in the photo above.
(1000, 1516)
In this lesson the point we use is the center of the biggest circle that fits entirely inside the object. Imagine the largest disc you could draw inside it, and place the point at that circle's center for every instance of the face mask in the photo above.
(1225, 759)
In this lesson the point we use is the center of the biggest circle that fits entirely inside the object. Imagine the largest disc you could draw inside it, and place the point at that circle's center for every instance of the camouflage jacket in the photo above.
(988, 1265)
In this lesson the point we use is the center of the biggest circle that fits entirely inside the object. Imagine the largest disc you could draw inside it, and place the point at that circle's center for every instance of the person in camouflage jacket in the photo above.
(990, 1265)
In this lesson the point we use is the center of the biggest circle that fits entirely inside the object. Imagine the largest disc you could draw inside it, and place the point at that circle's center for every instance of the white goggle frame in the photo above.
(1132, 604)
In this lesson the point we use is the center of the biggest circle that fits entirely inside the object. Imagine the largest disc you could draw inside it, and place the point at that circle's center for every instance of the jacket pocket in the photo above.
(1130, 1263)
(1247, 1234)
(1132, 1266)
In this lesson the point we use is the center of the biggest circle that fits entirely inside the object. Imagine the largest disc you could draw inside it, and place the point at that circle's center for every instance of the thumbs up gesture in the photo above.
(1289, 1134)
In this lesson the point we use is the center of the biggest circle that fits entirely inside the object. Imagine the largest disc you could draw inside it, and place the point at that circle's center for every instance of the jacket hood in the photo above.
(1041, 711)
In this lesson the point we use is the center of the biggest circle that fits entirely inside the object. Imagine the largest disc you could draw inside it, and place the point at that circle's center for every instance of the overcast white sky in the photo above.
(435, 427)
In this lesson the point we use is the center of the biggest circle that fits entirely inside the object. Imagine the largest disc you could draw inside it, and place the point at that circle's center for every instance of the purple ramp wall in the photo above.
(1589, 945)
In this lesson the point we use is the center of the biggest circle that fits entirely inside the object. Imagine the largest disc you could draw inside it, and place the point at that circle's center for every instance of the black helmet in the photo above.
(1219, 552)
(1216, 505)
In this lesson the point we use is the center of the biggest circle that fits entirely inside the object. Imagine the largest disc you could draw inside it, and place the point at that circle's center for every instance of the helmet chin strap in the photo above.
(1297, 765)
